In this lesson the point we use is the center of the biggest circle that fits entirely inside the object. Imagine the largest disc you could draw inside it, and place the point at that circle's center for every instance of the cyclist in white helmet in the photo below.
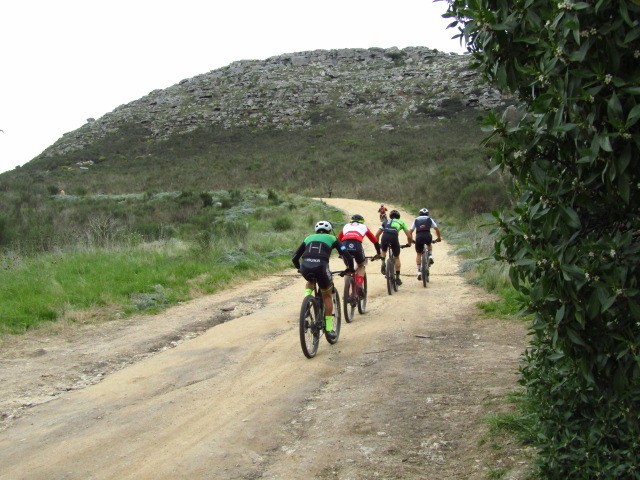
(315, 251)
(422, 225)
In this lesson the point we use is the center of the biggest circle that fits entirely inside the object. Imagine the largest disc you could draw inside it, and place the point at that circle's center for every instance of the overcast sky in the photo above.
(64, 61)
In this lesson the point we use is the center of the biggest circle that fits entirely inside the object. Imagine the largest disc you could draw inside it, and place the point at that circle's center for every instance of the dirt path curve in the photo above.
(402, 395)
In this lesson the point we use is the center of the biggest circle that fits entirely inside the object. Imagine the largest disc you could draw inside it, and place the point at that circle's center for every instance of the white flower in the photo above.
(612, 253)
(626, 136)
(587, 276)
(518, 154)
(591, 254)
(608, 78)
(636, 54)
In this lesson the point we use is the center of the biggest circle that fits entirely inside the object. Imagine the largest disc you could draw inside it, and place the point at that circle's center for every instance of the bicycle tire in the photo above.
(391, 274)
(394, 279)
(349, 298)
(362, 301)
(424, 266)
(309, 328)
(337, 318)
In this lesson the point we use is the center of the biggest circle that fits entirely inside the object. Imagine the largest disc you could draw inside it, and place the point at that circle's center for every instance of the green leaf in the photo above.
(570, 215)
(605, 143)
(632, 35)
(614, 108)
(575, 338)
(624, 188)
(579, 55)
(565, 127)
(633, 116)
(560, 314)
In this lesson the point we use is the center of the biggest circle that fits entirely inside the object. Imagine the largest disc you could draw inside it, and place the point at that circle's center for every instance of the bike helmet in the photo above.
(357, 218)
(323, 227)
(394, 214)
(424, 211)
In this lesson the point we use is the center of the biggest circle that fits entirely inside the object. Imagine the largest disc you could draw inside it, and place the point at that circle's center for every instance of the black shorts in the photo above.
(316, 270)
(356, 250)
(390, 240)
(423, 239)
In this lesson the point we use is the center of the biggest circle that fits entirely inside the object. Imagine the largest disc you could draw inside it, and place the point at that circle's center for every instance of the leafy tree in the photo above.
(573, 238)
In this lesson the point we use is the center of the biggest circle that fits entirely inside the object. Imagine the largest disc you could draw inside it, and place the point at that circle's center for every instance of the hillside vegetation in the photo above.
(187, 163)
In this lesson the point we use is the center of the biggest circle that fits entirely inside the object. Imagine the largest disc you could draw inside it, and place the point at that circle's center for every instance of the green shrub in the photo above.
(571, 240)
(282, 224)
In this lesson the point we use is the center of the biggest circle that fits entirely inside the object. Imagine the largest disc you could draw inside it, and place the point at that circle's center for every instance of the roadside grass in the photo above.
(511, 425)
(511, 433)
(254, 238)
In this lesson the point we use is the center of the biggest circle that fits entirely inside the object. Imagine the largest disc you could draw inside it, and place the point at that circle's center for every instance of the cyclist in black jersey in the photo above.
(422, 225)
(315, 251)
(390, 230)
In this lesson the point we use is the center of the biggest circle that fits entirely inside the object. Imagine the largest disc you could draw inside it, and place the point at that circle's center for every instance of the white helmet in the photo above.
(424, 211)
(323, 227)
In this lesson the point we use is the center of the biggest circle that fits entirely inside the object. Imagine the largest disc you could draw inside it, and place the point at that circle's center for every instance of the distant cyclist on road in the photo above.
(422, 225)
(382, 212)
(390, 231)
(315, 251)
(352, 235)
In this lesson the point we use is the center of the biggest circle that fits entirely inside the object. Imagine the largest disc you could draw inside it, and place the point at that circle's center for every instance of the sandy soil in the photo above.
(219, 388)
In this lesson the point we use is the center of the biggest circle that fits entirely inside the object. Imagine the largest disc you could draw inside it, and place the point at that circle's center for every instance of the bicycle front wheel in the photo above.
(362, 301)
(337, 317)
(309, 329)
(349, 298)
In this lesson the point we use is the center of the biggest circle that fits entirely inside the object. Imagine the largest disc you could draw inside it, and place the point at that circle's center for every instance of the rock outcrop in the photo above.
(296, 90)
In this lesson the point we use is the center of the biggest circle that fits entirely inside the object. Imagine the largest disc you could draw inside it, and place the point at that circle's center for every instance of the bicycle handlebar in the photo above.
(342, 273)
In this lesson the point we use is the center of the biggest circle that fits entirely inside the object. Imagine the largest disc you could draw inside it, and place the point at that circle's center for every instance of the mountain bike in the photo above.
(351, 297)
(390, 271)
(312, 322)
(425, 264)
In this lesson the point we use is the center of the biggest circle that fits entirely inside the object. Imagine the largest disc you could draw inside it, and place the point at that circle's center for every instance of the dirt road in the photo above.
(218, 388)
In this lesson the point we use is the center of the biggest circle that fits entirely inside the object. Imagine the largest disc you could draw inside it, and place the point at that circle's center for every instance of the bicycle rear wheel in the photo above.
(394, 280)
(309, 328)
(349, 298)
(424, 267)
(391, 274)
(337, 317)
(362, 301)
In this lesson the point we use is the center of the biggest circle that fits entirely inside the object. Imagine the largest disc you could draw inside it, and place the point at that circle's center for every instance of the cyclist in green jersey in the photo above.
(390, 231)
(315, 251)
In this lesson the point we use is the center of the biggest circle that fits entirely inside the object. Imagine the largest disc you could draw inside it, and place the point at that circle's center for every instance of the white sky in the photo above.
(64, 61)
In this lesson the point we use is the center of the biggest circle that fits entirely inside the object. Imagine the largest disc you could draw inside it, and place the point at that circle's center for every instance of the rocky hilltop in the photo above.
(296, 90)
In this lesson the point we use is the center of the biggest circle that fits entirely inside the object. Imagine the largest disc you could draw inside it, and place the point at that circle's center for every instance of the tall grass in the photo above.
(149, 276)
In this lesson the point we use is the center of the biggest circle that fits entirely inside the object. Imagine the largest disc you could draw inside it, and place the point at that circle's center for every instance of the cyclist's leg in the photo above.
(419, 249)
(395, 245)
(429, 243)
(384, 245)
(325, 284)
(358, 255)
(309, 272)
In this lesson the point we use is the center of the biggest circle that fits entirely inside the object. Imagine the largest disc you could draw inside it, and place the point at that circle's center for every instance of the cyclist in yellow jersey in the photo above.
(390, 231)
